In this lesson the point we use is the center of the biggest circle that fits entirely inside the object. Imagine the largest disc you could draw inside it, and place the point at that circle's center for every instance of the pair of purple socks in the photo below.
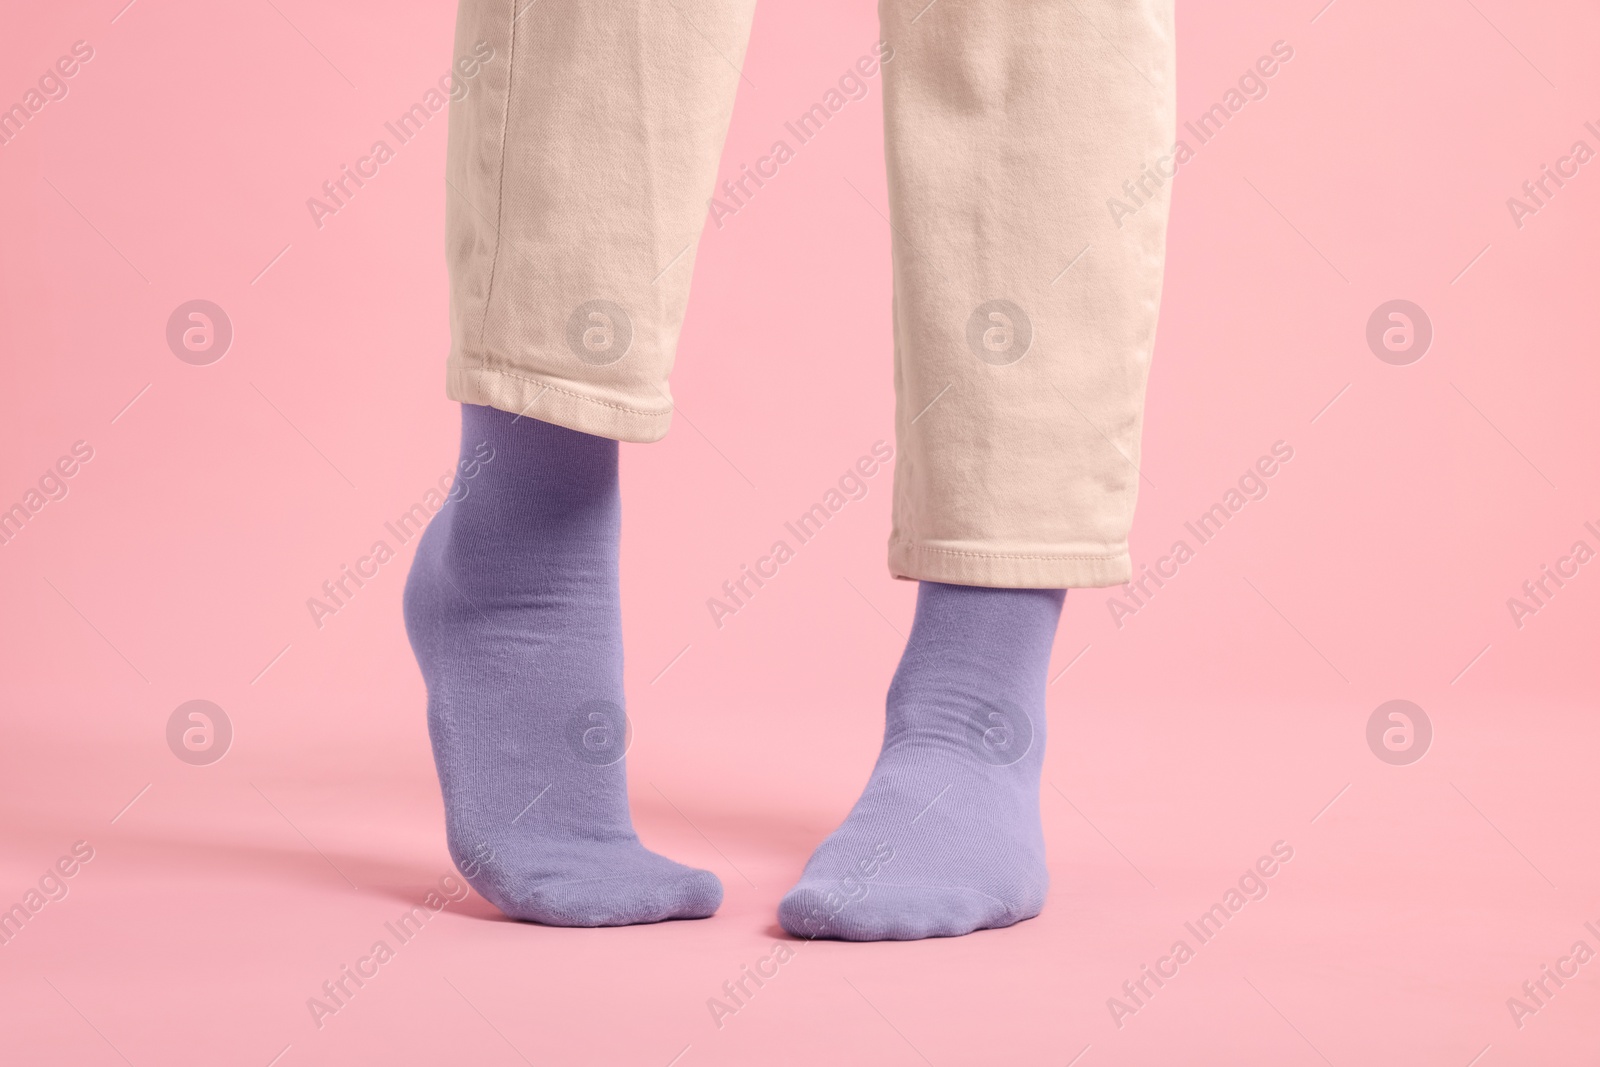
(514, 612)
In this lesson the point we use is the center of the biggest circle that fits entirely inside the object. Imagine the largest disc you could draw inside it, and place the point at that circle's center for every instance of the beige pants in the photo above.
(585, 149)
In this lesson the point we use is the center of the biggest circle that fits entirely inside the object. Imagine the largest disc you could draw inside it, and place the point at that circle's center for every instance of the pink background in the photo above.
(1228, 714)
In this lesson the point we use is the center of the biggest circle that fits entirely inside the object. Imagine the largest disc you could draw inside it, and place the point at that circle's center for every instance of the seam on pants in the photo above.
(500, 183)
(913, 545)
(568, 392)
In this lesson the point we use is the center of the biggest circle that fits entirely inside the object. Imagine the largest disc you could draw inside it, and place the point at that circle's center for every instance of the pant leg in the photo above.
(580, 160)
(1025, 307)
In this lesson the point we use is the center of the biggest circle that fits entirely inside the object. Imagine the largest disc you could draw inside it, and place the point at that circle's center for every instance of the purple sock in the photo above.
(946, 839)
(513, 611)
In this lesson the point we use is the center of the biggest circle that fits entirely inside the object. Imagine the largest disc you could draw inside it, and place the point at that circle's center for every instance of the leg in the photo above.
(579, 167)
(1024, 316)
(580, 159)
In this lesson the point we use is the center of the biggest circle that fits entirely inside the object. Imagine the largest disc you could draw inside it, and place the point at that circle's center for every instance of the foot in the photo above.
(946, 838)
(513, 611)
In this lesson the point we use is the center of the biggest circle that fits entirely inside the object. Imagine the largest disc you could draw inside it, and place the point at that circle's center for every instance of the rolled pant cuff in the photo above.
(1020, 569)
(559, 403)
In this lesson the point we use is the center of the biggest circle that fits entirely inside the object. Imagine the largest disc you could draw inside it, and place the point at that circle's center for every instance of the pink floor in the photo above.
(1435, 883)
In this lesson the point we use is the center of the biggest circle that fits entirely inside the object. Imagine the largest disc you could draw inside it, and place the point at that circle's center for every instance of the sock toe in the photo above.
(622, 900)
(891, 912)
